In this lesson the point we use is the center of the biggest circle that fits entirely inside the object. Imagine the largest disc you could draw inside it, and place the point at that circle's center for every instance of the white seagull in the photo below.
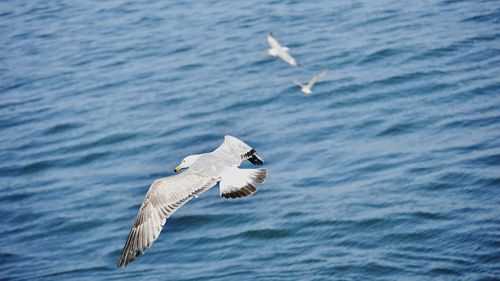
(168, 194)
(307, 88)
(277, 50)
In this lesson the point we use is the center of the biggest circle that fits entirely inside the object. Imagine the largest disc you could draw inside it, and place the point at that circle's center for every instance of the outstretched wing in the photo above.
(280, 50)
(164, 197)
(235, 151)
(288, 58)
(273, 43)
(297, 82)
(316, 78)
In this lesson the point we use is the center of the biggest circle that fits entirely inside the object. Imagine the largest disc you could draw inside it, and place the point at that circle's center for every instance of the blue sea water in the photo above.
(389, 171)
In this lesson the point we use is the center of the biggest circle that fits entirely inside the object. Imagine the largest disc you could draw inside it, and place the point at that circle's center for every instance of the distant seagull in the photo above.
(277, 50)
(307, 89)
(168, 194)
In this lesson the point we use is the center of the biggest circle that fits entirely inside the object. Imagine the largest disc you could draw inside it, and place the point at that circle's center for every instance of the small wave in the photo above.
(86, 159)
(408, 77)
(444, 271)
(181, 50)
(409, 237)
(250, 104)
(72, 226)
(62, 128)
(264, 234)
(30, 168)
(493, 17)
(489, 160)
(112, 139)
(20, 196)
(186, 222)
(403, 128)
(88, 271)
(472, 122)
(381, 55)
(190, 67)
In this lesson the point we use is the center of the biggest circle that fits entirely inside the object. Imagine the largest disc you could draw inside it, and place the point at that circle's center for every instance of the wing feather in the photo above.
(316, 78)
(235, 151)
(297, 82)
(164, 197)
(287, 58)
(281, 51)
(273, 43)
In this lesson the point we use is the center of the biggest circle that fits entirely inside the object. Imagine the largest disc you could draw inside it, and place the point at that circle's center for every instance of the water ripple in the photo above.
(389, 171)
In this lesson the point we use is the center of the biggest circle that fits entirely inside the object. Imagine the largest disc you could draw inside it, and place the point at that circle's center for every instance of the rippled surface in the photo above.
(389, 171)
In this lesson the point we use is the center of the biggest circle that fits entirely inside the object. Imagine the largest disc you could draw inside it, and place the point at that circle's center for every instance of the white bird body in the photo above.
(272, 52)
(307, 88)
(168, 194)
(277, 50)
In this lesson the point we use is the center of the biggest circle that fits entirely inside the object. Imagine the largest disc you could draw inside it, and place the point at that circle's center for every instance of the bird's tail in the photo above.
(236, 183)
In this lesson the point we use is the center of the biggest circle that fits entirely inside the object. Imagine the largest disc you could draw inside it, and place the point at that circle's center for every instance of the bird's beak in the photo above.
(178, 168)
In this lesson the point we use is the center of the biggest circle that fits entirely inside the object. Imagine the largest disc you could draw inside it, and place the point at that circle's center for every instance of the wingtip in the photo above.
(122, 263)
(260, 176)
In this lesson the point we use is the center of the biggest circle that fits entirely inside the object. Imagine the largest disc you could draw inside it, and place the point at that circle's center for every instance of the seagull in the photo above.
(277, 50)
(307, 89)
(168, 194)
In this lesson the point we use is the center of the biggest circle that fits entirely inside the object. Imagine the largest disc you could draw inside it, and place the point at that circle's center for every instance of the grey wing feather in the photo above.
(164, 197)
(316, 78)
(235, 151)
(288, 58)
(297, 83)
(273, 43)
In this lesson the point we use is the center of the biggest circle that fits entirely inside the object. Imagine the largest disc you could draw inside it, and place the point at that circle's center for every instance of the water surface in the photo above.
(390, 171)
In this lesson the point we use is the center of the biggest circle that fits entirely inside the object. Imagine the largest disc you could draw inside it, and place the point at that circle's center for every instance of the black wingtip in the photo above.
(256, 161)
(122, 262)
(253, 157)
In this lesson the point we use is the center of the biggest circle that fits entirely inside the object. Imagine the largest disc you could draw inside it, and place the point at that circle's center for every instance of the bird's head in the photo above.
(187, 162)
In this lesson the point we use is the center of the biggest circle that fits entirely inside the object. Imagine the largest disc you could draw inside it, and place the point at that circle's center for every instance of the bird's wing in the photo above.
(297, 82)
(235, 151)
(273, 43)
(288, 58)
(316, 78)
(164, 197)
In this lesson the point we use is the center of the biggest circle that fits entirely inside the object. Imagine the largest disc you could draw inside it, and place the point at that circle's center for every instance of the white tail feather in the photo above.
(237, 182)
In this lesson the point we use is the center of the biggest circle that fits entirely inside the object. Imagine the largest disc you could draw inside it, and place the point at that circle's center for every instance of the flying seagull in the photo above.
(307, 88)
(168, 194)
(277, 50)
